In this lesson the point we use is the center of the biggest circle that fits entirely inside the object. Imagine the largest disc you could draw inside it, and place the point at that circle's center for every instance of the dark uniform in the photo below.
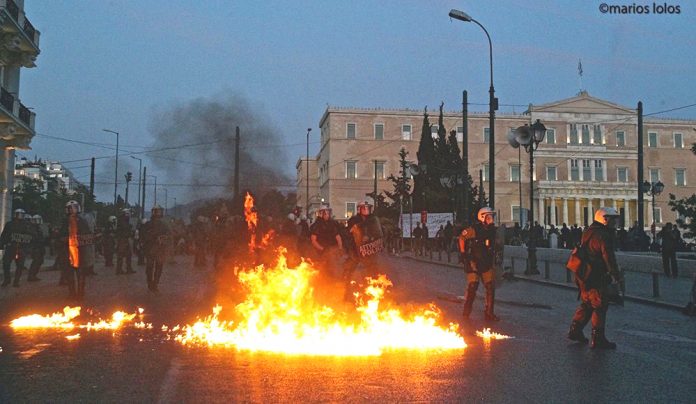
(478, 256)
(599, 242)
(16, 239)
(326, 234)
(109, 243)
(124, 232)
(156, 240)
(199, 230)
(38, 250)
(366, 244)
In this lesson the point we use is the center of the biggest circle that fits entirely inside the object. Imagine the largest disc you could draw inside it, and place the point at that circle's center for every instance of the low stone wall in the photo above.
(636, 262)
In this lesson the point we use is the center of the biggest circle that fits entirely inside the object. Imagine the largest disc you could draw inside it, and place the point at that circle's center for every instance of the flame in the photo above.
(64, 321)
(488, 335)
(72, 337)
(55, 320)
(281, 315)
(266, 240)
(252, 220)
(117, 320)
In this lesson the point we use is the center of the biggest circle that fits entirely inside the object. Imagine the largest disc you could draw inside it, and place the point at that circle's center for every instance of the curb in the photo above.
(635, 299)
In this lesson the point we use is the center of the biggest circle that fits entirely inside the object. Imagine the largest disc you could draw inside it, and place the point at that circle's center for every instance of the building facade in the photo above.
(53, 175)
(588, 159)
(19, 47)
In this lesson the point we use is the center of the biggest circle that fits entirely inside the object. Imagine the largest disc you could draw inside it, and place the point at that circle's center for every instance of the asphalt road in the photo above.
(653, 362)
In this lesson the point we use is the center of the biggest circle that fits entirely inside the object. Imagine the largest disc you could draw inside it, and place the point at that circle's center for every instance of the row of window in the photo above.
(581, 136)
(586, 215)
(378, 170)
(592, 170)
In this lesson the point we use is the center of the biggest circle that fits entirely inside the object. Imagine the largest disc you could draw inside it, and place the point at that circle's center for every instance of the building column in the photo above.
(650, 212)
(601, 202)
(539, 209)
(590, 212)
(565, 210)
(552, 219)
(627, 212)
(578, 216)
(7, 163)
(613, 204)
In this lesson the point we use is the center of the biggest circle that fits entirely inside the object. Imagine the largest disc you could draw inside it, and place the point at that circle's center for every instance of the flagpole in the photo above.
(580, 73)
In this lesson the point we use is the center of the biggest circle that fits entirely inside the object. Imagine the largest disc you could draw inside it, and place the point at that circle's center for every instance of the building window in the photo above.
(485, 172)
(350, 131)
(379, 170)
(574, 171)
(597, 135)
(654, 175)
(486, 135)
(551, 173)
(550, 136)
(658, 215)
(460, 133)
(406, 132)
(652, 139)
(680, 177)
(351, 169)
(573, 138)
(621, 139)
(433, 130)
(350, 209)
(599, 170)
(515, 172)
(678, 141)
(585, 134)
(586, 170)
(379, 131)
(622, 174)
(516, 214)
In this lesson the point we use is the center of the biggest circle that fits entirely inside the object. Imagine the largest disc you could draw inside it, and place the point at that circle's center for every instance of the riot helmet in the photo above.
(18, 214)
(157, 211)
(485, 212)
(604, 215)
(72, 207)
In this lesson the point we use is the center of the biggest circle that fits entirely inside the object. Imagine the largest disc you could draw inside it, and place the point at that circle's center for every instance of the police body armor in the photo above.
(368, 237)
(480, 249)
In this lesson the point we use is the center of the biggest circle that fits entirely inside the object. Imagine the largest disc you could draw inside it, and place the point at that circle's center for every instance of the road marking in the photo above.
(167, 392)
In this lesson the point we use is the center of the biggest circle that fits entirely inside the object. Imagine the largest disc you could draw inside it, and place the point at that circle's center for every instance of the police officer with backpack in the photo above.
(477, 247)
(600, 271)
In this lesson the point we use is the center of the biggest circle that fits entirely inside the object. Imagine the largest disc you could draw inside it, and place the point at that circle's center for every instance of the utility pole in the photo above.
(142, 205)
(465, 155)
(91, 179)
(641, 220)
(236, 163)
(375, 187)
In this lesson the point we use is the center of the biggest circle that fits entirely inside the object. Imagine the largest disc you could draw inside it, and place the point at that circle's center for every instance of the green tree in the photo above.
(686, 207)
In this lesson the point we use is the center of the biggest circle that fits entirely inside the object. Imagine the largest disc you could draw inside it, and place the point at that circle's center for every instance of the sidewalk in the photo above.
(673, 293)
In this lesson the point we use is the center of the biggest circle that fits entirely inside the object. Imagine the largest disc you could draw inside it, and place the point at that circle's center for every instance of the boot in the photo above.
(599, 340)
(490, 302)
(576, 334)
(81, 287)
(469, 299)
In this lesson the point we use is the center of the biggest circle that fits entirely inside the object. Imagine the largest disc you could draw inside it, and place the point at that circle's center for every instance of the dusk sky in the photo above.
(116, 64)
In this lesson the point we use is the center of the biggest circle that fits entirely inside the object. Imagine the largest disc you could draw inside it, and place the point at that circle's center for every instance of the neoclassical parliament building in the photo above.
(588, 159)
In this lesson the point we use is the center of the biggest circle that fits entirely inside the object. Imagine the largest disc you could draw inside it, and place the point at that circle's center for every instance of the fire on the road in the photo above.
(65, 321)
(280, 314)
(487, 334)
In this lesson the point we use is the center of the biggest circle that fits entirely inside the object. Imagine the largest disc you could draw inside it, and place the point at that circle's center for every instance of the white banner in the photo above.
(435, 220)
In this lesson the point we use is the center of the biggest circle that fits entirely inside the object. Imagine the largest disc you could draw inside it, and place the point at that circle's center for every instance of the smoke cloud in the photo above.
(209, 124)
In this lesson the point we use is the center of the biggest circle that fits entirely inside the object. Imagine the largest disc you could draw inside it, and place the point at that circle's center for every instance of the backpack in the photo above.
(578, 260)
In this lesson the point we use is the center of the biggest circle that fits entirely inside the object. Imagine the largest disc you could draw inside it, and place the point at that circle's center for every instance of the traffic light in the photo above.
(129, 176)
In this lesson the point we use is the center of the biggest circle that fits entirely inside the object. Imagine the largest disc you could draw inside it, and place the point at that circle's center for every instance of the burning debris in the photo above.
(487, 334)
(65, 321)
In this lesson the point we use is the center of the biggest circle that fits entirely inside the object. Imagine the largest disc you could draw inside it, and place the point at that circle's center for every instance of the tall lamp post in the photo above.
(307, 177)
(155, 177)
(530, 137)
(116, 170)
(492, 106)
(653, 189)
(140, 179)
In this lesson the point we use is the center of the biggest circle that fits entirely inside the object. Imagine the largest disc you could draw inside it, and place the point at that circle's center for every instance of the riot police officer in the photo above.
(325, 237)
(15, 239)
(601, 270)
(109, 241)
(156, 240)
(477, 247)
(38, 247)
(124, 232)
(366, 242)
(78, 235)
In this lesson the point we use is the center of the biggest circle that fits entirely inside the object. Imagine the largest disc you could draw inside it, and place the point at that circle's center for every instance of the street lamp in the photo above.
(653, 189)
(307, 169)
(492, 106)
(529, 137)
(140, 179)
(116, 170)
